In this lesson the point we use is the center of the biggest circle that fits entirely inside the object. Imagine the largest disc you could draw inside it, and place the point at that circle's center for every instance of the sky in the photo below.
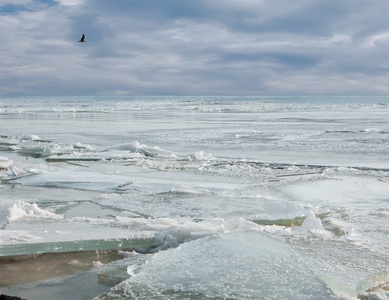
(197, 47)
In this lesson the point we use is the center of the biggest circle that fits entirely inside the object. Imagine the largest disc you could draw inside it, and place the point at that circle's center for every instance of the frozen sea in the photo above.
(194, 197)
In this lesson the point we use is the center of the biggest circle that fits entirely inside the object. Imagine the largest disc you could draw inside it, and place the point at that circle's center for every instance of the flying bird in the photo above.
(82, 39)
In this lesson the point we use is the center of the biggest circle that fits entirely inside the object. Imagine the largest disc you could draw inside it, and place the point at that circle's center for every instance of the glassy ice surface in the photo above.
(250, 265)
(225, 197)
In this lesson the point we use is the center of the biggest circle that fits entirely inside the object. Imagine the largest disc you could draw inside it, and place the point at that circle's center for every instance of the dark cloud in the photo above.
(167, 10)
(282, 59)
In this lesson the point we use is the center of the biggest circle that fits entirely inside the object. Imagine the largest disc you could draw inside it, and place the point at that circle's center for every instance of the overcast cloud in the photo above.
(202, 47)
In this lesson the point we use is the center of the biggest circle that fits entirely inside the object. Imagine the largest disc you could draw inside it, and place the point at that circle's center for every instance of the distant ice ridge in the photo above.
(147, 151)
(148, 156)
(34, 137)
(101, 104)
(155, 151)
(34, 146)
(30, 210)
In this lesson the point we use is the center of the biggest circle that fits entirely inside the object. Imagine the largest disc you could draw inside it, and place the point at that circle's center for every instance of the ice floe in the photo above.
(5, 162)
(250, 265)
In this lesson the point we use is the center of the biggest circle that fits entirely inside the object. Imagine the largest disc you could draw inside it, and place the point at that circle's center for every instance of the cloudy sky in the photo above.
(194, 47)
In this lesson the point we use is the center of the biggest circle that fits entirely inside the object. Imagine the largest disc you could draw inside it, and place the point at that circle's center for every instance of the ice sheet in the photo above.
(249, 265)
(312, 173)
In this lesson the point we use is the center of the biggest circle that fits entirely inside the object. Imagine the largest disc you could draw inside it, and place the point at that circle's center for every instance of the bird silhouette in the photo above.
(82, 39)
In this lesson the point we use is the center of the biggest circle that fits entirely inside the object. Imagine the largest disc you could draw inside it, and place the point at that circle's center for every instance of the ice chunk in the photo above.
(97, 264)
(171, 237)
(201, 155)
(39, 151)
(75, 179)
(132, 146)
(278, 210)
(35, 138)
(10, 142)
(145, 150)
(16, 171)
(82, 146)
(32, 137)
(22, 209)
(311, 223)
(117, 271)
(239, 225)
(250, 265)
(5, 162)
(382, 295)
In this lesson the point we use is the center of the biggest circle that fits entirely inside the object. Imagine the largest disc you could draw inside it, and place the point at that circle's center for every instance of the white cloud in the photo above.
(378, 39)
(70, 2)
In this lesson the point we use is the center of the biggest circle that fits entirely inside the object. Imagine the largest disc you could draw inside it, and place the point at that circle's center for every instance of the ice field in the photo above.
(194, 197)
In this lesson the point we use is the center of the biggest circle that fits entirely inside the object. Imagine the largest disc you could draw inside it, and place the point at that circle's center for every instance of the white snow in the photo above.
(30, 210)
